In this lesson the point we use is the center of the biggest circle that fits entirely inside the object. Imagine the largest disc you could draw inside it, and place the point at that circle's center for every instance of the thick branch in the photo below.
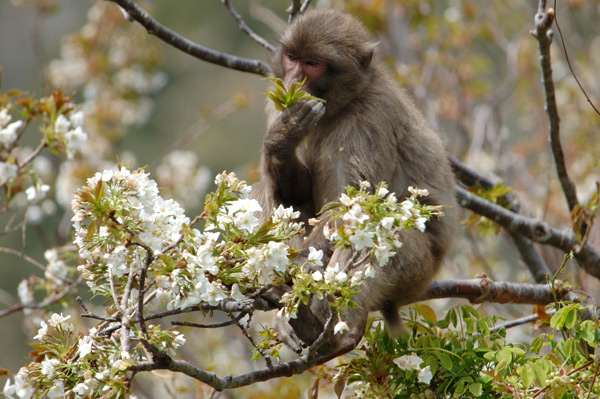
(187, 46)
(482, 289)
(543, 34)
(534, 229)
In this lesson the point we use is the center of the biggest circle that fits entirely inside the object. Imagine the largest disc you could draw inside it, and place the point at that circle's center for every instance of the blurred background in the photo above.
(472, 68)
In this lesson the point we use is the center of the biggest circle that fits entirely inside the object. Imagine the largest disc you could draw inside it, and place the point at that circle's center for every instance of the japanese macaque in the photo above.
(368, 130)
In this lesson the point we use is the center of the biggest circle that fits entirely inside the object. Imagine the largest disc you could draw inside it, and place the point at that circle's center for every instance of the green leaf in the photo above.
(445, 360)
(526, 375)
(476, 389)
(540, 375)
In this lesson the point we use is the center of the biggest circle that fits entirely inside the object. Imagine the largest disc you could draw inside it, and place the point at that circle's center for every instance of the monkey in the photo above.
(367, 130)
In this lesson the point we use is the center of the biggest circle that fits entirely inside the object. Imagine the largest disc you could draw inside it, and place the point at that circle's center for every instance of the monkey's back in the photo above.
(383, 126)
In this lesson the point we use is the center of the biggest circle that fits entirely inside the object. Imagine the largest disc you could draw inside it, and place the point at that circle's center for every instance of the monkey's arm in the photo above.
(290, 180)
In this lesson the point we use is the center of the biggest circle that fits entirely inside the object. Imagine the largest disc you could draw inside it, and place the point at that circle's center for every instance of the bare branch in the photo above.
(529, 254)
(482, 289)
(187, 46)
(543, 34)
(294, 10)
(246, 29)
(536, 230)
(216, 325)
(304, 6)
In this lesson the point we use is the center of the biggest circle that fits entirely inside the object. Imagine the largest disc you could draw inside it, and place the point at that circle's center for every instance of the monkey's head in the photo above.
(332, 51)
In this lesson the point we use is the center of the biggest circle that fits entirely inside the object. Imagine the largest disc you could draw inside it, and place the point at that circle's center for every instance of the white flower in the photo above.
(333, 274)
(382, 192)
(276, 256)
(242, 213)
(4, 117)
(57, 390)
(84, 346)
(283, 214)
(425, 375)
(317, 276)
(20, 389)
(77, 119)
(236, 293)
(383, 253)
(315, 256)
(357, 278)
(48, 367)
(345, 200)
(75, 139)
(37, 192)
(7, 171)
(409, 362)
(62, 124)
(362, 239)
(8, 135)
(340, 328)
(179, 339)
(42, 331)
(355, 215)
(369, 270)
(212, 294)
(81, 389)
(388, 222)
(57, 319)
(418, 192)
(420, 224)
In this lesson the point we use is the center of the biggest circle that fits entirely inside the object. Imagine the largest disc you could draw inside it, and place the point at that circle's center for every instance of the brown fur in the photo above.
(369, 131)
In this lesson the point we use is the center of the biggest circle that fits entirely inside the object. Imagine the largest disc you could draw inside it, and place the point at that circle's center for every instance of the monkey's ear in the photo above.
(367, 54)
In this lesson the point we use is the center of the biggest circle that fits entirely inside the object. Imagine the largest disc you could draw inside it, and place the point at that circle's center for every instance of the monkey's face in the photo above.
(297, 67)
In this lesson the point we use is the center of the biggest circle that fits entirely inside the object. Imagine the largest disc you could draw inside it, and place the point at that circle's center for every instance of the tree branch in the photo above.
(536, 265)
(482, 289)
(246, 29)
(543, 34)
(536, 230)
(187, 46)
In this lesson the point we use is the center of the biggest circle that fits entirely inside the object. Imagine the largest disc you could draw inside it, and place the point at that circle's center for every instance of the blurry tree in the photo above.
(525, 155)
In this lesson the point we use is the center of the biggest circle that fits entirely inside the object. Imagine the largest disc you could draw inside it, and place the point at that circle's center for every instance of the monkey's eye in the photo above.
(291, 57)
(312, 63)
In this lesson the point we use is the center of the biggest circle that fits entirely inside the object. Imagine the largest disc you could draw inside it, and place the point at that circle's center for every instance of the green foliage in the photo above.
(468, 357)
(497, 195)
(284, 98)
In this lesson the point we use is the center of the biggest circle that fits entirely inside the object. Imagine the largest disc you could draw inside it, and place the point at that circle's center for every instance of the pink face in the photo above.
(297, 68)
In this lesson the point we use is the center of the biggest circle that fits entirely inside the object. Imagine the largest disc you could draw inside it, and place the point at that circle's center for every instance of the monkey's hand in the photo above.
(291, 126)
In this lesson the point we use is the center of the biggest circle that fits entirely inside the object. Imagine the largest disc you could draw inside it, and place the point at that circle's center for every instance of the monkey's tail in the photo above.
(393, 323)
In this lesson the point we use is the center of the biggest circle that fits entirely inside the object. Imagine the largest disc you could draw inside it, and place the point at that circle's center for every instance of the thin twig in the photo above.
(53, 299)
(187, 46)
(246, 29)
(543, 34)
(294, 10)
(21, 255)
(304, 6)
(250, 338)
(216, 325)
(562, 39)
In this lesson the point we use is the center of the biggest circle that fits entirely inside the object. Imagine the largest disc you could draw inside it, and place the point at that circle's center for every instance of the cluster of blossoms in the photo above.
(374, 221)
(8, 135)
(366, 223)
(413, 362)
(122, 225)
(72, 131)
(125, 230)
(79, 366)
